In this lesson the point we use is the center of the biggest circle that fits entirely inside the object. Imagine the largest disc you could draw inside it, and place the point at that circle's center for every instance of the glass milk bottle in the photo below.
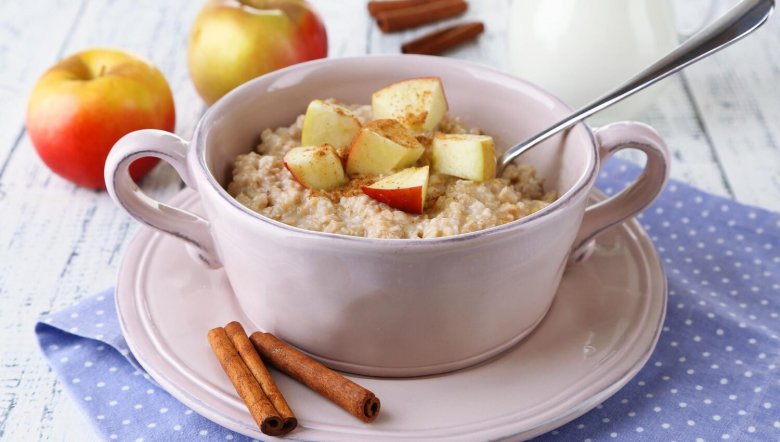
(580, 49)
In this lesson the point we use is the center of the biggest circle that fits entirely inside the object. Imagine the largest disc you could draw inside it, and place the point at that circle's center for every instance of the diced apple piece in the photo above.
(382, 147)
(472, 157)
(418, 104)
(327, 123)
(316, 167)
(404, 190)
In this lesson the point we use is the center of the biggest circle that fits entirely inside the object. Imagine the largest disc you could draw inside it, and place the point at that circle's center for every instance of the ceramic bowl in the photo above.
(389, 307)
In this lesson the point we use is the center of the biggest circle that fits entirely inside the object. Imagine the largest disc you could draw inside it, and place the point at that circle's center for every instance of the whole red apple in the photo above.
(234, 41)
(82, 105)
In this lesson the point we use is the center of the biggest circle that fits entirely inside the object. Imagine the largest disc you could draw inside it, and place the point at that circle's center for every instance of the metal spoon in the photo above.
(738, 22)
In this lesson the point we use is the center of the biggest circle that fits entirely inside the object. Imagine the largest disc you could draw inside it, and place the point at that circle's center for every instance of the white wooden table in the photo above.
(59, 243)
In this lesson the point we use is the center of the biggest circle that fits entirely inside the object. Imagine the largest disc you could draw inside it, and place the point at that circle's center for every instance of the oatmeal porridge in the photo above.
(450, 204)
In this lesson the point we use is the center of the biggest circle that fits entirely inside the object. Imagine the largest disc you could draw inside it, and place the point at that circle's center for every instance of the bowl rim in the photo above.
(584, 181)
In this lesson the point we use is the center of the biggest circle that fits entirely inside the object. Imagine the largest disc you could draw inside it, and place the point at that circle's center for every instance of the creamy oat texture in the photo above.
(453, 205)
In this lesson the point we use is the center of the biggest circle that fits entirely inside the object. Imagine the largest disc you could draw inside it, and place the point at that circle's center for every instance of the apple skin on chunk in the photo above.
(327, 123)
(404, 190)
(419, 103)
(382, 147)
(316, 167)
(467, 156)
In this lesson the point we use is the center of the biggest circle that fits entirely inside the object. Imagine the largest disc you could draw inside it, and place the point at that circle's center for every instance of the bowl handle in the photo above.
(123, 190)
(634, 198)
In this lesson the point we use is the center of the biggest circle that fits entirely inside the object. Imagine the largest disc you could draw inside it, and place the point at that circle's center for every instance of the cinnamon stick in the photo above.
(350, 396)
(377, 6)
(447, 38)
(398, 19)
(258, 369)
(247, 387)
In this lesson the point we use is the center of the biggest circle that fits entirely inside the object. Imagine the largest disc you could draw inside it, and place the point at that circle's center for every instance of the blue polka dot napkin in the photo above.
(713, 375)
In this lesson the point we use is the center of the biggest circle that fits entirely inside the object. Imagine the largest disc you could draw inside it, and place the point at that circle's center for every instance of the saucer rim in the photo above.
(632, 230)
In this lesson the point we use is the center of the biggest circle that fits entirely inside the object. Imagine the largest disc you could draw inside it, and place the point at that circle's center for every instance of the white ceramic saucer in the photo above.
(600, 331)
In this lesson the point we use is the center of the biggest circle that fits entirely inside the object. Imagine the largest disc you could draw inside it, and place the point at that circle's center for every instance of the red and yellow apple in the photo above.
(405, 190)
(234, 41)
(82, 105)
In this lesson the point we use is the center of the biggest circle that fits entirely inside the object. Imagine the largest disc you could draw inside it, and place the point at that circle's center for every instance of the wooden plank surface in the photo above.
(61, 243)
(78, 234)
(736, 96)
(32, 404)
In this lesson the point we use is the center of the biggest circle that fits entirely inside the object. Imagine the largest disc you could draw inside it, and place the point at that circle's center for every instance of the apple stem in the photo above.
(102, 70)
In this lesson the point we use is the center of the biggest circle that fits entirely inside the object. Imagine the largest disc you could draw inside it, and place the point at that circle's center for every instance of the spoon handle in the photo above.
(738, 22)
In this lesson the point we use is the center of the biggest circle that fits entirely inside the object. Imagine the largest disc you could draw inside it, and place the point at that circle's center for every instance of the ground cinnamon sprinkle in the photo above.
(417, 119)
(425, 140)
(352, 188)
(393, 130)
